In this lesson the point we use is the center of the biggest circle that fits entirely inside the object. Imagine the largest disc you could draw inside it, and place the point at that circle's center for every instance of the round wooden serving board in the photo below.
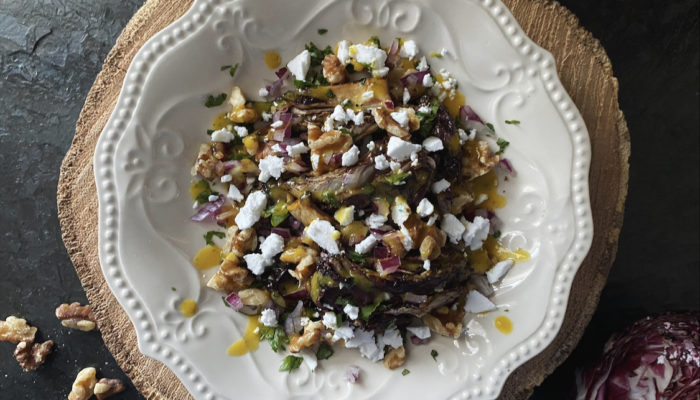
(584, 70)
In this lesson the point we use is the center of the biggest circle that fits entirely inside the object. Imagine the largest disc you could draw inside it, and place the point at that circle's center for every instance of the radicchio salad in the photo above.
(358, 199)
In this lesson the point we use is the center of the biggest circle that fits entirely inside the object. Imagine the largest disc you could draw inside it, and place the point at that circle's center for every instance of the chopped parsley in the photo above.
(330, 94)
(366, 311)
(231, 69)
(375, 39)
(239, 156)
(275, 336)
(497, 234)
(322, 31)
(356, 257)
(313, 80)
(317, 54)
(173, 288)
(502, 144)
(435, 54)
(290, 363)
(434, 354)
(215, 101)
(490, 126)
(347, 132)
(405, 372)
(397, 178)
(427, 120)
(325, 351)
(277, 213)
(223, 298)
(512, 122)
(210, 131)
(330, 200)
(203, 196)
(208, 237)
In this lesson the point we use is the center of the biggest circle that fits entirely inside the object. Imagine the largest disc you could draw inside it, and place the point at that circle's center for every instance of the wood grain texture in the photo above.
(585, 72)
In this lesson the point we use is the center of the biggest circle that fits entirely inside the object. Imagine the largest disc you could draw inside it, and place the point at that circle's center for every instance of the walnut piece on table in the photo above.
(16, 330)
(31, 355)
(76, 316)
(395, 358)
(107, 387)
(84, 384)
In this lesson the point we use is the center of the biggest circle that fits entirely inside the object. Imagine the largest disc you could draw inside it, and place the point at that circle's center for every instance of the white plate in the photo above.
(143, 159)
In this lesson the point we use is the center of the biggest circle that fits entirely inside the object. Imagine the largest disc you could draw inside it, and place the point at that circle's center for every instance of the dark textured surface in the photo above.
(51, 51)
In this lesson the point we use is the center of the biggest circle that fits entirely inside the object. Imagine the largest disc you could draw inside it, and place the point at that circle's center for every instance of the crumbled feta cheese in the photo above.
(344, 215)
(344, 52)
(440, 186)
(251, 211)
(406, 96)
(357, 119)
(409, 49)
(339, 114)
(323, 233)
(256, 263)
(426, 265)
(448, 84)
(424, 110)
(273, 245)
(366, 244)
(234, 194)
(368, 95)
(351, 157)
(222, 135)
(478, 303)
(463, 137)
(499, 270)
(482, 198)
(315, 158)
(401, 117)
(299, 65)
(400, 210)
(297, 149)
(425, 208)
(266, 116)
(371, 145)
(371, 55)
(428, 80)
(241, 131)
(380, 72)
(444, 52)
(452, 227)
(432, 144)
(422, 65)
(432, 219)
(328, 124)
(375, 221)
(476, 232)
(276, 124)
(390, 337)
(444, 73)
(421, 332)
(304, 321)
(213, 197)
(399, 149)
(268, 317)
(351, 311)
(380, 162)
(364, 340)
(309, 358)
(270, 166)
(195, 205)
(406, 240)
(263, 92)
(330, 320)
(226, 178)
(344, 332)
(394, 166)
(277, 148)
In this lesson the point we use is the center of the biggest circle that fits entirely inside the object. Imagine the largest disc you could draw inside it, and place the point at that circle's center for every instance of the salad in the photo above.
(356, 199)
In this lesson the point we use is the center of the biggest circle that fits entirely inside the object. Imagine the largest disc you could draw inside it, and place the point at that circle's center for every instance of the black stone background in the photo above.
(51, 51)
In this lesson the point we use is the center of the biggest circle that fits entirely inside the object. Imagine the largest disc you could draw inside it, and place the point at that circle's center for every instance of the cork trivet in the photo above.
(585, 72)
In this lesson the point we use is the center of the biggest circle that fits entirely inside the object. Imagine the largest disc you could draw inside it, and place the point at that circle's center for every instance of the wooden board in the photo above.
(585, 72)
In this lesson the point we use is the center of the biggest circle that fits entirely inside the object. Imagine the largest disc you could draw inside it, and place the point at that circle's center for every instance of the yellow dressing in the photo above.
(272, 59)
(188, 307)
(208, 257)
(452, 104)
(479, 260)
(503, 324)
(221, 121)
(497, 250)
(250, 340)
(488, 185)
(196, 188)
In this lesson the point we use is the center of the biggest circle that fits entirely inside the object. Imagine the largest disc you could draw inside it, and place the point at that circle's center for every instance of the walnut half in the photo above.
(395, 358)
(16, 330)
(84, 384)
(108, 387)
(76, 316)
(31, 355)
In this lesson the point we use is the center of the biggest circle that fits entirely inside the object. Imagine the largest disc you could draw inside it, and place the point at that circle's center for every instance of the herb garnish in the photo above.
(231, 69)
(356, 257)
(215, 101)
(203, 196)
(397, 178)
(512, 122)
(330, 200)
(173, 288)
(223, 298)
(317, 54)
(322, 31)
(502, 144)
(290, 363)
(275, 336)
(490, 126)
(325, 351)
(405, 372)
(427, 120)
(435, 54)
(434, 354)
(497, 234)
(330, 94)
(375, 39)
(210, 235)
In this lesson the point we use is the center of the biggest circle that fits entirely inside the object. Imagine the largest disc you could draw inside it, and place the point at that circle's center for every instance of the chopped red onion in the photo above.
(389, 265)
(208, 211)
(466, 113)
(415, 298)
(418, 341)
(275, 90)
(358, 176)
(284, 232)
(284, 131)
(229, 165)
(381, 252)
(234, 301)
(414, 78)
(352, 374)
(292, 324)
(296, 166)
(378, 234)
(296, 225)
(389, 104)
(282, 73)
(393, 55)
(508, 167)
(336, 158)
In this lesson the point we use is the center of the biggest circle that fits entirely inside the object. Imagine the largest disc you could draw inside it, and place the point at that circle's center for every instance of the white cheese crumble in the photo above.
(276, 124)
(422, 65)
(394, 166)
(482, 198)
(233, 193)
(406, 96)
(330, 320)
(371, 145)
(391, 337)
(432, 219)
(476, 232)
(371, 55)
(266, 116)
(297, 149)
(251, 211)
(425, 208)
(328, 124)
(421, 332)
(344, 52)
(409, 49)
(339, 114)
(401, 117)
(323, 233)
(366, 244)
(380, 162)
(351, 311)
(357, 119)
(256, 263)
(364, 340)
(263, 92)
(344, 332)
(309, 359)
(400, 210)
(268, 317)
(452, 227)
(406, 240)
(299, 65)
(273, 245)
(315, 158)
(368, 95)
(222, 135)
(226, 178)
(424, 110)
(375, 221)
(213, 197)
(399, 149)
(270, 166)
(428, 80)
(478, 303)
(426, 265)
(241, 131)
(433, 144)
(499, 270)
(440, 186)
(351, 157)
